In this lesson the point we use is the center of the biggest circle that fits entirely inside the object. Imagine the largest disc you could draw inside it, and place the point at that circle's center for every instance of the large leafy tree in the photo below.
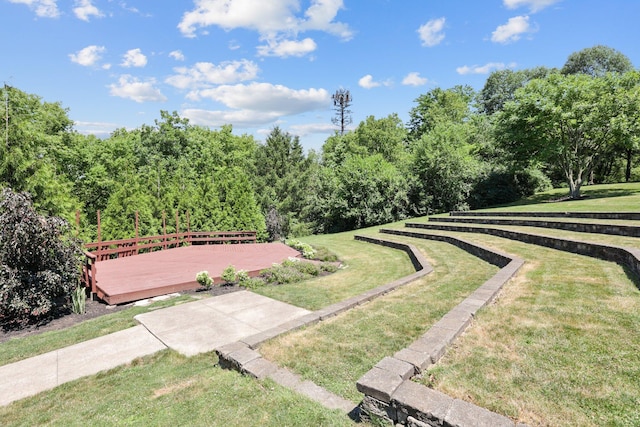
(443, 168)
(34, 136)
(385, 136)
(501, 86)
(567, 121)
(281, 181)
(437, 106)
(362, 191)
(596, 61)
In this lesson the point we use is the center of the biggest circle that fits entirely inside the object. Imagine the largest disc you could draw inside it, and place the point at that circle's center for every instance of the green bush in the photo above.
(304, 248)
(282, 274)
(328, 267)
(242, 276)
(39, 263)
(252, 283)
(323, 254)
(229, 274)
(204, 279)
(307, 268)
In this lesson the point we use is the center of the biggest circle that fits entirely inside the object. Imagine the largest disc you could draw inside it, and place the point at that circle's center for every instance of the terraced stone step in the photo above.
(625, 256)
(581, 227)
(633, 216)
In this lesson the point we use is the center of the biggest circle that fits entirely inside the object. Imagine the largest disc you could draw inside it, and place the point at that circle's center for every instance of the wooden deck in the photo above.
(173, 270)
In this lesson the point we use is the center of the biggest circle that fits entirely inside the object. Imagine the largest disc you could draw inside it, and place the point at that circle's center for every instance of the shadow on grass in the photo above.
(588, 193)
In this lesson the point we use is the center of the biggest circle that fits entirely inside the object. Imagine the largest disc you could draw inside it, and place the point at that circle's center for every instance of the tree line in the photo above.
(525, 131)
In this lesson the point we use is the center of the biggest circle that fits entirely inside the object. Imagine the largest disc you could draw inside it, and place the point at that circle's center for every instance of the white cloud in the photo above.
(512, 30)
(268, 18)
(43, 8)
(287, 48)
(311, 128)
(483, 69)
(84, 9)
(177, 55)
(534, 5)
(256, 104)
(320, 17)
(89, 56)
(414, 79)
(134, 58)
(367, 82)
(100, 129)
(268, 98)
(237, 118)
(206, 74)
(431, 33)
(140, 91)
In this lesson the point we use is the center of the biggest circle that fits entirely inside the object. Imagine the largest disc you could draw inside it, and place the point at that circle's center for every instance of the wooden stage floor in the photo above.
(173, 270)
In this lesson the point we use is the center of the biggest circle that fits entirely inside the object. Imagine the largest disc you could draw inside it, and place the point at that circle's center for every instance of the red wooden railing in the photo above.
(111, 249)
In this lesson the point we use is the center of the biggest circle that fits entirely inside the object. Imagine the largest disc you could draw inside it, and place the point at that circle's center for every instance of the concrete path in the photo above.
(202, 326)
(31, 376)
(189, 328)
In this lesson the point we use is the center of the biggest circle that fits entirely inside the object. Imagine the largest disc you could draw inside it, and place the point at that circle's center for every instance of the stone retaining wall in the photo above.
(388, 389)
(627, 257)
(581, 227)
(591, 215)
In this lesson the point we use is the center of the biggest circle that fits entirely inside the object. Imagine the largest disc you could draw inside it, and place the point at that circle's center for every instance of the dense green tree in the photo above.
(33, 137)
(239, 209)
(501, 86)
(386, 136)
(437, 106)
(362, 191)
(567, 121)
(443, 169)
(281, 180)
(596, 61)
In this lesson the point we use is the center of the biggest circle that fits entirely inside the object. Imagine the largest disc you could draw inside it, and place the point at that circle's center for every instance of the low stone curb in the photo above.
(580, 227)
(628, 257)
(633, 216)
(243, 356)
(385, 385)
(388, 389)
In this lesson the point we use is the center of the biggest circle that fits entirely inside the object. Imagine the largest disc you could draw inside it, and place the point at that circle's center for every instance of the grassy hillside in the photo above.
(561, 346)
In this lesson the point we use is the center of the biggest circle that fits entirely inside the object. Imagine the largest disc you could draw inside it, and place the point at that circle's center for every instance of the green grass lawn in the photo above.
(168, 389)
(358, 257)
(337, 352)
(560, 347)
(596, 198)
(33, 345)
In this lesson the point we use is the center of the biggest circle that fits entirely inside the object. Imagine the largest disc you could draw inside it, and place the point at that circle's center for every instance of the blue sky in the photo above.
(256, 64)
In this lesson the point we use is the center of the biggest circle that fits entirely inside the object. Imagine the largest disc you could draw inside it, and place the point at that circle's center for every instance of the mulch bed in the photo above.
(96, 309)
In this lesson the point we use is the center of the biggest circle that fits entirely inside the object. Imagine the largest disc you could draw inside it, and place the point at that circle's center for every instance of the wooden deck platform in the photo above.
(147, 275)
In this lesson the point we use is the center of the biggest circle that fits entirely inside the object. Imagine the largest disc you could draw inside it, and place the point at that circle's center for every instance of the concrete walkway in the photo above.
(189, 328)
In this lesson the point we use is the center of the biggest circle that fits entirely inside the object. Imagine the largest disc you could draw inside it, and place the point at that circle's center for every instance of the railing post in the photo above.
(98, 252)
(188, 229)
(136, 240)
(164, 231)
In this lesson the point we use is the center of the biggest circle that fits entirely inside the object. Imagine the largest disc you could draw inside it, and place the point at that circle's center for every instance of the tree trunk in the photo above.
(574, 185)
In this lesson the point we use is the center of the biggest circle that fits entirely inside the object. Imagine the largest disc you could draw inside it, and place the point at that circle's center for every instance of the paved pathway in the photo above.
(189, 328)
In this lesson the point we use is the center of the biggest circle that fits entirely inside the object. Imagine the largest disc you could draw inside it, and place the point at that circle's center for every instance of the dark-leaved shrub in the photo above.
(39, 263)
